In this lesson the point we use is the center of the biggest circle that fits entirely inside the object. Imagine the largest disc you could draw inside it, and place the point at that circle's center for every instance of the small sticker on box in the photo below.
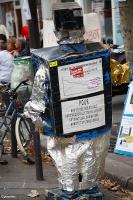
(53, 63)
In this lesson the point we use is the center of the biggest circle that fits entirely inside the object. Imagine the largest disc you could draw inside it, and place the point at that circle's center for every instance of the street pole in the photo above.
(126, 15)
(35, 44)
(33, 26)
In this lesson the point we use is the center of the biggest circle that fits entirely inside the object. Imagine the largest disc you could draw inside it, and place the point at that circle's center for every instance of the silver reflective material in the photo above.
(85, 157)
(36, 105)
(72, 158)
(70, 37)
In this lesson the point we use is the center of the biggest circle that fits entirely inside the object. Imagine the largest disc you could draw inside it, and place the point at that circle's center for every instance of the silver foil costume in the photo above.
(72, 158)
(85, 157)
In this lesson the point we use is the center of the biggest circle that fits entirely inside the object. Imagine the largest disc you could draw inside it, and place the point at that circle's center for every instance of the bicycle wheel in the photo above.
(23, 134)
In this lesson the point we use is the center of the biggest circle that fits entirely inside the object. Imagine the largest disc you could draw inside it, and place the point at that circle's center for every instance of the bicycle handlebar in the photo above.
(10, 92)
(22, 82)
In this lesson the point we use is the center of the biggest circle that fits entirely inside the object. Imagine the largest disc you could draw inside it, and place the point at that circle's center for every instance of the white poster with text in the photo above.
(83, 114)
(80, 79)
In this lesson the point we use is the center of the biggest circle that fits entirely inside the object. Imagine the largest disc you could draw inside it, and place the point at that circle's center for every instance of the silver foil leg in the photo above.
(86, 158)
(93, 161)
(66, 163)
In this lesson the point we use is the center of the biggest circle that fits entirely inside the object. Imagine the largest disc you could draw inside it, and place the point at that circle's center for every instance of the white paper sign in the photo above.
(26, 10)
(49, 39)
(92, 27)
(83, 114)
(124, 143)
(80, 78)
(9, 23)
(98, 7)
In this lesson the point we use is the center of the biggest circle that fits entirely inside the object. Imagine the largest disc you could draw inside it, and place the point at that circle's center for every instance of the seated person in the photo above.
(22, 48)
(11, 45)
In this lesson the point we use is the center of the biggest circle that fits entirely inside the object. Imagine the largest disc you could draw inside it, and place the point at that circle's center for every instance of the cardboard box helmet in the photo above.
(67, 16)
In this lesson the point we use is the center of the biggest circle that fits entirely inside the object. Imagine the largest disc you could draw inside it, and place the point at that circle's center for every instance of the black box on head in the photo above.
(67, 16)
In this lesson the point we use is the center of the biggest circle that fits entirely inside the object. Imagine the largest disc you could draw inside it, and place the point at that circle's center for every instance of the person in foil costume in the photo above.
(79, 161)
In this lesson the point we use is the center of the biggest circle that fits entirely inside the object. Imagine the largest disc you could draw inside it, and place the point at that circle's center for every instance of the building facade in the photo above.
(11, 15)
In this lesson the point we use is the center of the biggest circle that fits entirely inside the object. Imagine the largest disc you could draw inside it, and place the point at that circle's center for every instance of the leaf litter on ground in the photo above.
(115, 187)
(33, 194)
(31, 152)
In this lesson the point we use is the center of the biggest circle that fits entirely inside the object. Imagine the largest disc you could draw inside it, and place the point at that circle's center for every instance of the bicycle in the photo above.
(9, 115)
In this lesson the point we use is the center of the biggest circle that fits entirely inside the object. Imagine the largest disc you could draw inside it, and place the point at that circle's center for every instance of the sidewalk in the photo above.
(120, 168)
(19, 178)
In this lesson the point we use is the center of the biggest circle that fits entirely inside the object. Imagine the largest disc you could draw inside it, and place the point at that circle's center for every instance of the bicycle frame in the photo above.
(11, 108)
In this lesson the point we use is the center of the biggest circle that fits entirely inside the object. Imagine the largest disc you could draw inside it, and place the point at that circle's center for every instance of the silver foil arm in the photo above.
(36, 105)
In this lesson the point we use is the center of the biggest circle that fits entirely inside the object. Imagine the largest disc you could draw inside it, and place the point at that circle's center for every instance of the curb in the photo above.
(130, 184)
(126, 182)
